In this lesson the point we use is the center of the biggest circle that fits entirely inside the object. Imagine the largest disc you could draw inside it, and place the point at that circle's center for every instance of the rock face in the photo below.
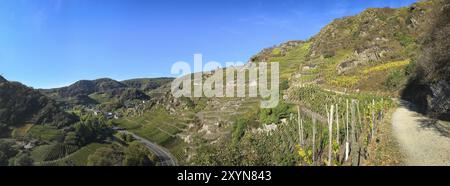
(439, 100)
(430, 87)
(362, 58)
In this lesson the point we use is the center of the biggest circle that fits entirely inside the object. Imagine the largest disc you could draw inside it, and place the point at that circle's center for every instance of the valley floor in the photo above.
(422, 140)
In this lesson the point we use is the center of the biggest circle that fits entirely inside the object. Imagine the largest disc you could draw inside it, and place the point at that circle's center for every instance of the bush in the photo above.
(394, 79)
(105, 156)
(284, 85)
(239, 127)
(92, 130)
(138, 155)
(404, 39)
(274, 115)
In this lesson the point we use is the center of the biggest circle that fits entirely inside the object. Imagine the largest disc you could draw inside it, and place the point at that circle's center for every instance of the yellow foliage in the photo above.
(345, 81)
(386, 66)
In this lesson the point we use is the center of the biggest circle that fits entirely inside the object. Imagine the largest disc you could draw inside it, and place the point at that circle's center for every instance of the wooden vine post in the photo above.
(330, 134)
(373, 120)
(314, 140)
(347, 144)
(300, 127)
(337, 125)
(355, 145)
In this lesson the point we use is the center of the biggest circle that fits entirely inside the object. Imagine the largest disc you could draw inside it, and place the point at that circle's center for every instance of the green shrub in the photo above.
(404, 39)
(273, 115)
(394, 79)
(239, 127)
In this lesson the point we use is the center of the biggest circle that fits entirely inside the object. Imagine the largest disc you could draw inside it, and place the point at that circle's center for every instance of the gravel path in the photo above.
(421, 143)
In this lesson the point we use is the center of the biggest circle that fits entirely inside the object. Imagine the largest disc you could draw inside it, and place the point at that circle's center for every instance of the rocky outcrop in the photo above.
(374, 54)
(439, 100)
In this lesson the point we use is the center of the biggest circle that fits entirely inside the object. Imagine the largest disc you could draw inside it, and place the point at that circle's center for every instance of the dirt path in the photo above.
(421, 139)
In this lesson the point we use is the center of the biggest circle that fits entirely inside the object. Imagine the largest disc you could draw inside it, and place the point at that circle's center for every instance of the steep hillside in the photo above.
(366, 58)
(371, 51)
(20, 104)
(429, 87)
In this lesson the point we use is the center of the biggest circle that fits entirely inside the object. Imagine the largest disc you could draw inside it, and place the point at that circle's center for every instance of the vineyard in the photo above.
(319, 127)
(76, 158)
(350, 125)
(53, 151)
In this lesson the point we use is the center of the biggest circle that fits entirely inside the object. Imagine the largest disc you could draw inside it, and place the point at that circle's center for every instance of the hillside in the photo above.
(339, 92)
(365, 59)
(87, 92)
(357, 52)
(429, 86)
(147, 84)
(20, 104)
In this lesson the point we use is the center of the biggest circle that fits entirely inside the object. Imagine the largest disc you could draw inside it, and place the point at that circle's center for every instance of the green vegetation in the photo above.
(239, 129)
(20, 105)
(404, 39)
(274, 115)
(46, 133)
(106, 156)
(91, 130)
(317, 99)
(78, 158)
(52, 152)
(157, 126)
(394, 79)
(23, 159)
(6, 151)
(138, 155)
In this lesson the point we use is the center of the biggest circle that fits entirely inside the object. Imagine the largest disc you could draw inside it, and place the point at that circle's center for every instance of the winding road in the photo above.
(423, 140)
(164, 156)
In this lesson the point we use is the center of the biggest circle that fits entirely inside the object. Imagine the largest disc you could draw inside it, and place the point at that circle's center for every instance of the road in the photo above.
(165, 157)
(423, 141)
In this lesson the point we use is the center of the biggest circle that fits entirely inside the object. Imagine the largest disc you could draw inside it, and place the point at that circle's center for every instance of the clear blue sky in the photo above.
(52, 43)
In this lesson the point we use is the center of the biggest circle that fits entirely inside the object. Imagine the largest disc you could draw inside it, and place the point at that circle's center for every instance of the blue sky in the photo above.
(53, 43)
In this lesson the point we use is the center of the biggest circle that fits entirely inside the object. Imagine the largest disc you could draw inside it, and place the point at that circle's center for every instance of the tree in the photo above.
(138, 155)
(105, 156)
(6, 152)
(92, 129)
